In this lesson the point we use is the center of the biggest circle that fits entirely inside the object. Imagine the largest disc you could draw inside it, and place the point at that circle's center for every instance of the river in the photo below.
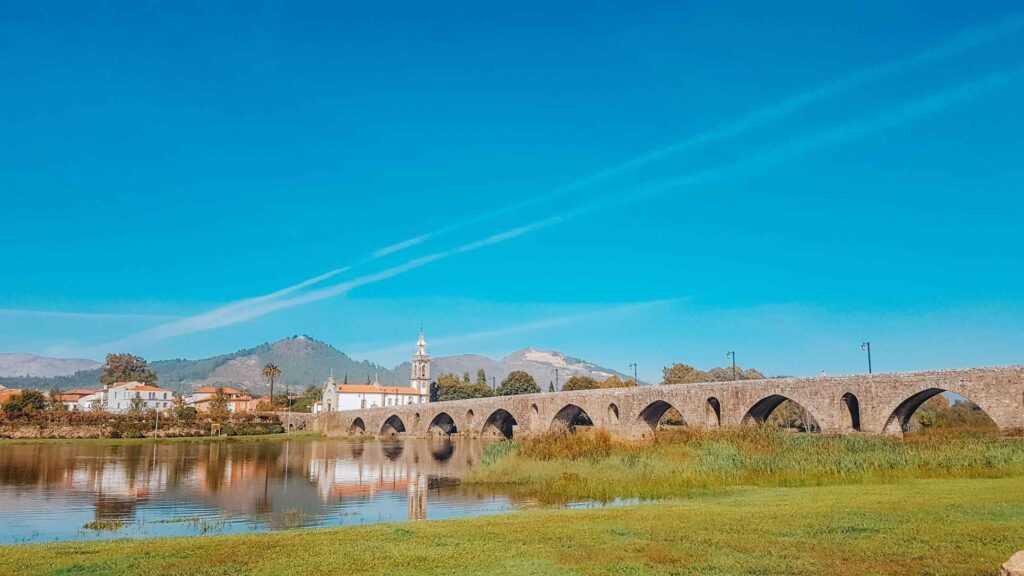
(87, 491)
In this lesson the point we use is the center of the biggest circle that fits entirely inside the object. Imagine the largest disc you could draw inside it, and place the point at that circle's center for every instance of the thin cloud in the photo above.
(959, 43)
(962, 42)
(526, 327)
(233, 314)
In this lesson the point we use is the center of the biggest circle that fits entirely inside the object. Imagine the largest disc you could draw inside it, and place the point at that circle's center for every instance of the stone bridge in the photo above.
(876, 404)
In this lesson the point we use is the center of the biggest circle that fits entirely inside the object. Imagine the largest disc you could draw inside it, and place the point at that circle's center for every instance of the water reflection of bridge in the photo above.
(285, 484)
(363, 469)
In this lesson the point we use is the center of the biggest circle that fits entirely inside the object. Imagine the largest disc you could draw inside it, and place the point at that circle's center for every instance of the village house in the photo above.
(358, 396)
(7, 393)
(71, 398)
(237, 401)
(120, 398)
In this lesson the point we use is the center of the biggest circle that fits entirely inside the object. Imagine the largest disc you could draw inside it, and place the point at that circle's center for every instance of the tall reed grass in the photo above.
(593, 465)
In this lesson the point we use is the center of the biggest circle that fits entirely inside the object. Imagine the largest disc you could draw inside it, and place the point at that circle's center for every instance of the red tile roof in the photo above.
(373, 389)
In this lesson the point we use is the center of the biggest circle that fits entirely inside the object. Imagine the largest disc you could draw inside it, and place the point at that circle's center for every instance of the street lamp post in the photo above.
(732, 354)
(556, 380)
(866, 346)
(635, 378)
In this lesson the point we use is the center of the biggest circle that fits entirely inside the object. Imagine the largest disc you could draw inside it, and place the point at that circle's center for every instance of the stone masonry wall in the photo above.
(884, 402)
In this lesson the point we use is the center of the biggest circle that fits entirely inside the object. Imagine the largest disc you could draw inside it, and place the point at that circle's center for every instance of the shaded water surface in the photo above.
(90, 491)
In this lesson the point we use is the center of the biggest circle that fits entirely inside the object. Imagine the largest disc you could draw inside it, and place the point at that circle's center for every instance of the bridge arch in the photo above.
(442, 424)
(852, 411)
(571, 416)
(534, 417)
(393, 426)
(357, 428)
(899, 420)
(712, 412)
(763, 409)
(613, 414)
(500, 422)
(654, 412)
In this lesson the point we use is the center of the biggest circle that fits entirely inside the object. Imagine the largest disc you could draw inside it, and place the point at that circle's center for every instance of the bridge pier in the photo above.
(870, 404)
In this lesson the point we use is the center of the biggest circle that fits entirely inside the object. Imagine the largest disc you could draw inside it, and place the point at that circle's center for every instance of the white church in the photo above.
(359, 396)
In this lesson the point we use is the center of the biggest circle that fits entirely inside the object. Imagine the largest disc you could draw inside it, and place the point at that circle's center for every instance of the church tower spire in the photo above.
(420, 374)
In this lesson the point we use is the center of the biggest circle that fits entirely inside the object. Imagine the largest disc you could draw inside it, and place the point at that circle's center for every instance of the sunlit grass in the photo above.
(937, 527)
(103, 525)
(593, 466)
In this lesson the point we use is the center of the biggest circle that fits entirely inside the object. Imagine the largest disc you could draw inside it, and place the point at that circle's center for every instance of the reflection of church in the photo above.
(347, 396)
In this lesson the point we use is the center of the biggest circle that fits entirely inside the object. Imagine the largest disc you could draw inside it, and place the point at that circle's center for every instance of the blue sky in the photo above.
(652, 183)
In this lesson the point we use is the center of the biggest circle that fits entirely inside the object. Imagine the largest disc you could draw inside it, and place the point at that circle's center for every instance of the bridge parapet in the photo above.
(877, 403)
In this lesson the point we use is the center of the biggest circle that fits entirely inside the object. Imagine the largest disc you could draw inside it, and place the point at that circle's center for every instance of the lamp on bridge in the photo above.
(867, 346)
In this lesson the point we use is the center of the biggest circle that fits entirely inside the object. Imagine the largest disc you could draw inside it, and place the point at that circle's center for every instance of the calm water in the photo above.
(53, 492)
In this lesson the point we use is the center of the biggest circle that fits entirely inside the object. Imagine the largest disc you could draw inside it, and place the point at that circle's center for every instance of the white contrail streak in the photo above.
(526, 327)
(960, 43)
(233, 314)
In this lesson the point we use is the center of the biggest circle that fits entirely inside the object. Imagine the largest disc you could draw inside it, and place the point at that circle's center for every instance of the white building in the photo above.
(337, 397)
(119, 398)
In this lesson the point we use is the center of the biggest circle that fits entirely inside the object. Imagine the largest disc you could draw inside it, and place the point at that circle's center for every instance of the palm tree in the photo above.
(270, 373)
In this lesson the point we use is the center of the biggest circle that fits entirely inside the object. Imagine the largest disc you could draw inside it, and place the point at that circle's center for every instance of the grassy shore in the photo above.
(938, 527)
(559, 467)
(179, 439)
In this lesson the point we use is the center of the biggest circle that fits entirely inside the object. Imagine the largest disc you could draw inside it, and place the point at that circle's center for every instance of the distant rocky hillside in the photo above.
(41, 366)
(540, 364)
(305, 361)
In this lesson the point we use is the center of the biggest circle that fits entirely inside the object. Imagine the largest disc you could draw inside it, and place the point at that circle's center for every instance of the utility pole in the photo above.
(732, 354)
(635, 378)
(867, 347)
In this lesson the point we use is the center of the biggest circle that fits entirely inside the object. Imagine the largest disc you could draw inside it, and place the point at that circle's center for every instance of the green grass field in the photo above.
(592, 466)
(962, 527)
(753, 501)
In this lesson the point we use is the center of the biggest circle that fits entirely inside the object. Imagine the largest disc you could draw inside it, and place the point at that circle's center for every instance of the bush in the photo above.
(518, 382)
(562, 445)
(28, 402)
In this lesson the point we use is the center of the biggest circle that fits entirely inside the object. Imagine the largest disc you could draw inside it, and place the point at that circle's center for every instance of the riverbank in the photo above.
(65, 425)
(593, 466)
(161, 440)
(913, 527)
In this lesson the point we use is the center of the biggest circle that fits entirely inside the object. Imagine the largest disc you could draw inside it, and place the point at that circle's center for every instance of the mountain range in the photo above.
(32, 365)
(304, 362)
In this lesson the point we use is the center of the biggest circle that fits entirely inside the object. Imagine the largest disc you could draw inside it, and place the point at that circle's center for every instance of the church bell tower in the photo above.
(420, 376)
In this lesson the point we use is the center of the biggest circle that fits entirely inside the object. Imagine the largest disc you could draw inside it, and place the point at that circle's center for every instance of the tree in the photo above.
(578, 382)
(54, 400)
(270, 373)
(136, 405)
(126, 368)
(725, 374)
(518, 382)
(186, 414)
(450, 387)
(311, 396)
(682, 374)
(481, 377)
(219, 406)
(27, 402)
(614, 381)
